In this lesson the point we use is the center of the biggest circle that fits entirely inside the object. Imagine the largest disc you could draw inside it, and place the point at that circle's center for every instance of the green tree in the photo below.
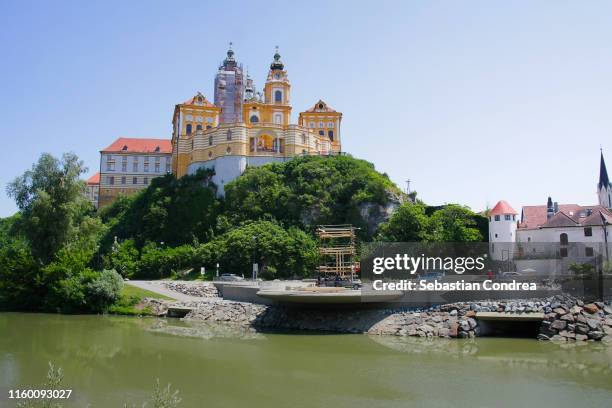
(123, 257)
(279, 252)
(21, 280)
(582, 270)
(74, 287)
(172, 211)
(307, 191)
(50, 197)
(454, 223)
(409, 223)
(158, 262)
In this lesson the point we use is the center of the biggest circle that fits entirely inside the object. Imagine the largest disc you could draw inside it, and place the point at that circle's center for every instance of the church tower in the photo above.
(604, 188)
(277, 91)
(229, 89)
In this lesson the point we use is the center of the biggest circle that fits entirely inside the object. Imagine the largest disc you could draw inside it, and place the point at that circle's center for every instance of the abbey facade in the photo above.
(244, 127)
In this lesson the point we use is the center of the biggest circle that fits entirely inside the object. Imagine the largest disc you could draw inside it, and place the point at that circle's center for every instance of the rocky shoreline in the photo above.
(565, 318)
(196, 288)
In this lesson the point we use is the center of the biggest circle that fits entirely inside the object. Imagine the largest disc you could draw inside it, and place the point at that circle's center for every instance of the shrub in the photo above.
(123, 258)
(158, 262)
(279, 252)
(104, 290)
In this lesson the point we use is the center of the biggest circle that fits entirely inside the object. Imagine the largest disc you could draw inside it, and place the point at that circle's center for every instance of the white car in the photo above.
(511, 274)
(230, 277)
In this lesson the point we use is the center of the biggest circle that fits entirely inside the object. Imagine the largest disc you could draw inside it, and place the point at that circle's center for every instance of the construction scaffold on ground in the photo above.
(337, 250)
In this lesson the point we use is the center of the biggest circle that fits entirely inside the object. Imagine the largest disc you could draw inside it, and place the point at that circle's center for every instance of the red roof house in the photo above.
(138, 145)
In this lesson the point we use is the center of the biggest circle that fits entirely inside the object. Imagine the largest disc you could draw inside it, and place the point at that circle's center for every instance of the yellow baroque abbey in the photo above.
(244, 127)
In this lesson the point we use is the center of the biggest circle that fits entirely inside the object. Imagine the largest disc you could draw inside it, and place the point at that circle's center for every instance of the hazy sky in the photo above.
(473, 101)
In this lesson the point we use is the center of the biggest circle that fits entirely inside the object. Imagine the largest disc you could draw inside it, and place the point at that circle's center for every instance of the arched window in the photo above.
(563, 239)
(278, 119)
(210, 140)
(189, 128)
(229, 134)
(199, 127)
(278, 96)
(254, 119)
(330, 133)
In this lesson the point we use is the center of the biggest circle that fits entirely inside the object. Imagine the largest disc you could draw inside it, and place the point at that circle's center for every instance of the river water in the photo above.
(109, 361)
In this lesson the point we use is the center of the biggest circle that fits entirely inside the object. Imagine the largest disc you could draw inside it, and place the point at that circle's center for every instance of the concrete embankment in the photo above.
(556, 318)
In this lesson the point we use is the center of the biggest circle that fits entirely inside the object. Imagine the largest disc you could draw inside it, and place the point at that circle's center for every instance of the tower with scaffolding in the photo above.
(337, 253)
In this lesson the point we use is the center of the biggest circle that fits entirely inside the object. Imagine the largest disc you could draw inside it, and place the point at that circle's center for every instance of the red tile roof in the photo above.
(534, 216)
(502, 207)
(316, 108)
(137, 145)
(95, 179)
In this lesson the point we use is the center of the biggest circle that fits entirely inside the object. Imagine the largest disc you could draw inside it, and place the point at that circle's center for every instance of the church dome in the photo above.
(277, 64)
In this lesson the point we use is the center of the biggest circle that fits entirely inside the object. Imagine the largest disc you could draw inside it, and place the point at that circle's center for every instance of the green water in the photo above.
(112, 360)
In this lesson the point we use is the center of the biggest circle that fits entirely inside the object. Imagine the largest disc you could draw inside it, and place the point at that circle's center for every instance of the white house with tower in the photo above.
(562, 224)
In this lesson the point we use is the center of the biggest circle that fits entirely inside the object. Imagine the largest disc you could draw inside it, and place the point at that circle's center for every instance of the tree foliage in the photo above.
(279, 252)
(57, 254)
(307, 191)
(409, 223)
(172, 211)
(454, 223)
(449, 223)
(20, 277)
(52, 204)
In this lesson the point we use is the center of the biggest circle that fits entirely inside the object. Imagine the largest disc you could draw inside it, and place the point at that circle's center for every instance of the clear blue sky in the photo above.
(474, 101)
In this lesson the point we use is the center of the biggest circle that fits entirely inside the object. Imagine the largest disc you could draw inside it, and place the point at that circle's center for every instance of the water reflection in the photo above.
(203, 330)
(572, 361)
(109, 361)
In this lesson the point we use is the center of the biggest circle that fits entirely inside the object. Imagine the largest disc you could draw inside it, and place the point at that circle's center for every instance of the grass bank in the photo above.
(130, 299)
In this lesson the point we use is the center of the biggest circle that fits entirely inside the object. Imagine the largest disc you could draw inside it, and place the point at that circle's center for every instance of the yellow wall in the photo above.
(329, 120)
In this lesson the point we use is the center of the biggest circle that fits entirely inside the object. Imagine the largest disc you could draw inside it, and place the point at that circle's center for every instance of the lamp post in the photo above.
(255, 265)
(217, 269)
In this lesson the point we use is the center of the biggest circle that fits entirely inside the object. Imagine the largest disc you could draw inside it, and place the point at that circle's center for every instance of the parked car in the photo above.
(230, 277)
(511, 274)
(432, 275)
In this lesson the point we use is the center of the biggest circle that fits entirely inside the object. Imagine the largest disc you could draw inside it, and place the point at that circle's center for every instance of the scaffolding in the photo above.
(337, 251)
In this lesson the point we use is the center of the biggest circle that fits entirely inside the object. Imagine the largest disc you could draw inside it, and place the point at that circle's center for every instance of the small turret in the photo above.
(249, 89)
(277, 63)
(502, 230)
(229, 62)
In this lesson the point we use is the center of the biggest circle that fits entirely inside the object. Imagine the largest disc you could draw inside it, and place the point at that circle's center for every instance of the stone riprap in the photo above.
(566, 318)
(576, 321)
(191, 288)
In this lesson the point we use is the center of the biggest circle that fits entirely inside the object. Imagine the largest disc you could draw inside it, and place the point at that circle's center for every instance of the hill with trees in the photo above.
(58, 254)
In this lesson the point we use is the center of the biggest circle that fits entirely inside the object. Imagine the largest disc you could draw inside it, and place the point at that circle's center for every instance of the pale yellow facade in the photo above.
(263, 134)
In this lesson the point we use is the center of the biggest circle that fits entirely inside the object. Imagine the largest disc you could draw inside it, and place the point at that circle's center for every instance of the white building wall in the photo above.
(117, 171)
(574, 234)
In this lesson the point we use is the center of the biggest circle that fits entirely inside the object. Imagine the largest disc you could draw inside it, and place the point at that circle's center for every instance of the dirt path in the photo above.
(157, 288)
